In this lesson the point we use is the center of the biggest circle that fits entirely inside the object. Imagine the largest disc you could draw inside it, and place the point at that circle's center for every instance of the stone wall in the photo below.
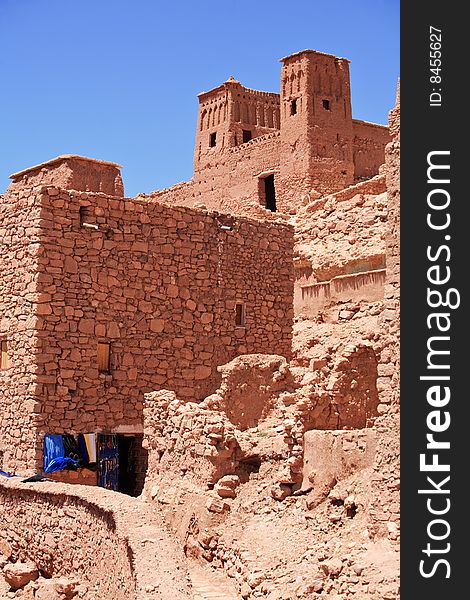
(20, 250)
(159, 284)
(97, 538)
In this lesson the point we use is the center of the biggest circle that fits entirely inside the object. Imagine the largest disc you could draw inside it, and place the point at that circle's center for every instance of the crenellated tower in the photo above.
(231, 115)
(316, 124)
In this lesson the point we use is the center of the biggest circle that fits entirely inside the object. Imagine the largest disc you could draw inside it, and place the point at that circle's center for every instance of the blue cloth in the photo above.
(5, 474)
(53, 448)
(59, 463)
(108, 462)
(54, 454)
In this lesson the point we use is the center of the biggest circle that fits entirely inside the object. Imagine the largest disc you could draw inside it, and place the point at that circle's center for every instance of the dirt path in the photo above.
(208, 585)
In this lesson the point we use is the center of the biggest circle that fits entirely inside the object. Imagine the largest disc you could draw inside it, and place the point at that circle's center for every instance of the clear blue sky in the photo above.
(117, 80)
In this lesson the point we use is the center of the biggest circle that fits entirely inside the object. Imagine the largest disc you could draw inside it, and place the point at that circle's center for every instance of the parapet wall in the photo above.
(311, 298)
(230, 182)
(368, 148)
(73, 172)
(97, 538)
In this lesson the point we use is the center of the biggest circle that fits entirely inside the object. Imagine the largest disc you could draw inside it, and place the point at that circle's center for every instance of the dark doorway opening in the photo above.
(270, 193)
(122, 463)
(246, 135)
(133, 459)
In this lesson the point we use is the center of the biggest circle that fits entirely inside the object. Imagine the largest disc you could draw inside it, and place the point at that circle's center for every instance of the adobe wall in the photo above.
(96, 537)
(336, 454)
(309, 299)
(19, 255)
(348, 231)
(231, 181)
(160, 285)
(368, 148)
(386, 478)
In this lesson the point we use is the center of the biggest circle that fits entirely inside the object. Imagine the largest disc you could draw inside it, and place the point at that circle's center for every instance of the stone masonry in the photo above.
(169, 292)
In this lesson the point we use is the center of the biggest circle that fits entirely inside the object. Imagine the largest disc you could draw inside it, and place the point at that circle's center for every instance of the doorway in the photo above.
(122, 463)
(269, 193)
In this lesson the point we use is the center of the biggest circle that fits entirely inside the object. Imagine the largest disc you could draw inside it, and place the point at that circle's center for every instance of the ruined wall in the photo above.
(386, 484)
(339, 253)
(368, 148)
(20, 317)
(309, 299)
(334, 455)
(159, 285)
(95, 537)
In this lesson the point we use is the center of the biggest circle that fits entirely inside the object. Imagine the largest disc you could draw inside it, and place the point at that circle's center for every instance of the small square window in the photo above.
(293, 107)
(103, 352)
(326, 104)
(212, 140)
(246, 135)
(240, 314)
(4, 355)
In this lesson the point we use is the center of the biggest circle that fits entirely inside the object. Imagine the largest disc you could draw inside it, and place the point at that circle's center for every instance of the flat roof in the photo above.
(308, 51)
(235, 81)
(61, 158)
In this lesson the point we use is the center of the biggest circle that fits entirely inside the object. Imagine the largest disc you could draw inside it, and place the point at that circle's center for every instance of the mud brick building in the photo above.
(104, 298)
(259, 152)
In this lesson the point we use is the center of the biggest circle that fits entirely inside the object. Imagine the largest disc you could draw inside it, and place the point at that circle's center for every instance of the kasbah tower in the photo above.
(266, 150)
(230, 347)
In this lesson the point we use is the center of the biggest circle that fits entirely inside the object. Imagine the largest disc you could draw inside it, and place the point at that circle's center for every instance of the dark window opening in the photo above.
(246, 135)
(270, 193)
(212, 140)
(86, 217)
(103, 351)
(293, 107)
(4, 355)
(240, 314)
(326, 104)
